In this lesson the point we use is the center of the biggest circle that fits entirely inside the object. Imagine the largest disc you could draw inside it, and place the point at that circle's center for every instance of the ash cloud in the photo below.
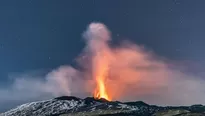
(132, 73)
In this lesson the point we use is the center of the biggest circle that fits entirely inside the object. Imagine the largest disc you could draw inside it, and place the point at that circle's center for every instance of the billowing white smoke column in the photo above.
(132, 73)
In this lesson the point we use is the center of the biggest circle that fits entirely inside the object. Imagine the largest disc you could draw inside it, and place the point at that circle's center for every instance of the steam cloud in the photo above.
(133, 73)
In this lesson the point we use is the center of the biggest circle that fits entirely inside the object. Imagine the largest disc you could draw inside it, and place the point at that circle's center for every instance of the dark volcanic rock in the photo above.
(92, 99)
(137, 103)
(67, 98)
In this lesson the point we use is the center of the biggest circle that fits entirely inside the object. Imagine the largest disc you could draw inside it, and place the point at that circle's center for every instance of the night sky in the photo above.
(44, 34)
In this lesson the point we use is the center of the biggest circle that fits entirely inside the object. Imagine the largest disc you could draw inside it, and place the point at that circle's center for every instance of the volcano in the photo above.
(90, 106)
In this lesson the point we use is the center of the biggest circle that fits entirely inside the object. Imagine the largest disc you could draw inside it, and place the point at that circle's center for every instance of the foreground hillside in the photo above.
(73, 106)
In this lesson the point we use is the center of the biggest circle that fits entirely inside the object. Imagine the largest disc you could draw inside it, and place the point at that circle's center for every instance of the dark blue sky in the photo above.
(44, 34)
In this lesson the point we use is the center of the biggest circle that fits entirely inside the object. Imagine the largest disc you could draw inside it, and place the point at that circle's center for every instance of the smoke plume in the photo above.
(132, 73)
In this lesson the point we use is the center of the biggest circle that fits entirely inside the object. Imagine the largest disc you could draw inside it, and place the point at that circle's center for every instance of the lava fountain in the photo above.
(97, 37)
(100, 63)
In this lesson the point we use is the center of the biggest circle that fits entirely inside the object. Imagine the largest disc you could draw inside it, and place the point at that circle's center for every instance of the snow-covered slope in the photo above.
(89, 106)
(48, 107)
(64, 105)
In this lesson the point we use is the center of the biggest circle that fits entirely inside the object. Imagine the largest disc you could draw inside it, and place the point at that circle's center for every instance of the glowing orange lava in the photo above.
(101, 68)
(100, 91)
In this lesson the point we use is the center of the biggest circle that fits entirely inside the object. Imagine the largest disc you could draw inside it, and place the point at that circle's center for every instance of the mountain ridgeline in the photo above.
(73, 106)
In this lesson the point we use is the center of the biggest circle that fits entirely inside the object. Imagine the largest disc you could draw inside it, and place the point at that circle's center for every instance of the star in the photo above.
(176, 2)
(181, 19)
(171, 10)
